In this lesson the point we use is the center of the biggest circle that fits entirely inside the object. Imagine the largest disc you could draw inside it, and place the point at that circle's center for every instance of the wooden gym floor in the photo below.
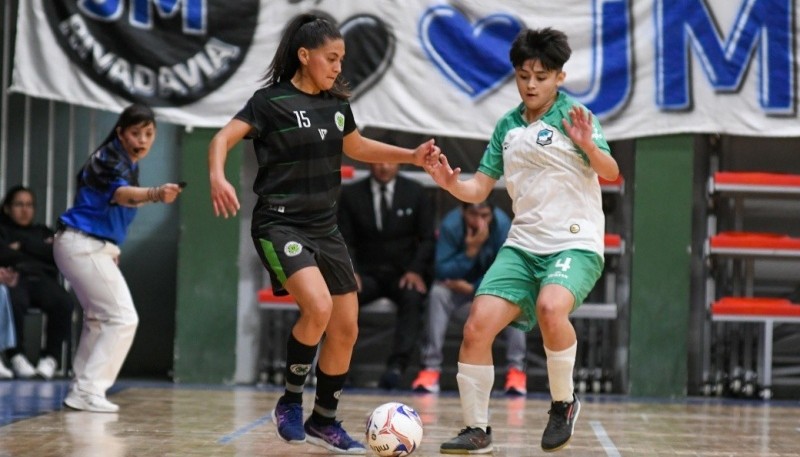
(162, 419)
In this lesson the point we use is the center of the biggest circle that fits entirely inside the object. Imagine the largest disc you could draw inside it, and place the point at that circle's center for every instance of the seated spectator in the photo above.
(8, 337)
(38, 285)
(388, 225)
(469, 239)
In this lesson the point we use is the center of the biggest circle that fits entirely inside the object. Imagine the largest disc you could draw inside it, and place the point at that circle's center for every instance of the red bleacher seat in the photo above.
(266, 295)
(348, 171)
(758, 306)
(756, 178)
(754, 240)
(612, 241)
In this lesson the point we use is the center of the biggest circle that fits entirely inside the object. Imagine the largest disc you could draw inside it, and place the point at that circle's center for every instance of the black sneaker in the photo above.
(561, 424)
(469, 441)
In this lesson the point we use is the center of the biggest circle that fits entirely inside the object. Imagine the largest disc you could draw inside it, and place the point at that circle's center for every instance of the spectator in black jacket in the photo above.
(388, 224)
(38, 285)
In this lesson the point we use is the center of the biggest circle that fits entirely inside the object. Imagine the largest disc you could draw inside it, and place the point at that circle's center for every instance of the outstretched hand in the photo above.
(580, 130)
(441, 172)
(223, 198)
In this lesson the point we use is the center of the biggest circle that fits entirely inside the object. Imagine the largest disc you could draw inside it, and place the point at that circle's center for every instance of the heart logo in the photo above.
(370, 48)
(474, 57)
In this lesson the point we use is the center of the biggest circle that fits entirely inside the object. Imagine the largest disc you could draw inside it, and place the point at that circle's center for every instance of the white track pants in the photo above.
(109, 317)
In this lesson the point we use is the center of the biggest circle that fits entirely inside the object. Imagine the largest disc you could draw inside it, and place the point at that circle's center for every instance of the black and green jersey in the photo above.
(297, 138)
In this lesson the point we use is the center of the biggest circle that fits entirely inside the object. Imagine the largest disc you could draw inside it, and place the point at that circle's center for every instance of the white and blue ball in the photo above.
(394, 429)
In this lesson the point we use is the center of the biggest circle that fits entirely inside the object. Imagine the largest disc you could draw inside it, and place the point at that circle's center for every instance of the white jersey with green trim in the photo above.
(555, 193)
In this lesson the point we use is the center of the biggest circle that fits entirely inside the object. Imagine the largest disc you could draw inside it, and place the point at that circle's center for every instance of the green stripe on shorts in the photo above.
(272, 259)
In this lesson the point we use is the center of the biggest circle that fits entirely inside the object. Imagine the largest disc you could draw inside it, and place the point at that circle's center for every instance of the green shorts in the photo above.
(518, 276)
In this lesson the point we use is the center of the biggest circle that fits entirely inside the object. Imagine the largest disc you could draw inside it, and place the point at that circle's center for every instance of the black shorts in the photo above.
(285, 250)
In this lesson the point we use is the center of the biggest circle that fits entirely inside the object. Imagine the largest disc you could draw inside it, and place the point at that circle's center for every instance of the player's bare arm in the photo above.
(473, 190)
(132, 196)
(367, 150)
(580, 131)
(223, 194)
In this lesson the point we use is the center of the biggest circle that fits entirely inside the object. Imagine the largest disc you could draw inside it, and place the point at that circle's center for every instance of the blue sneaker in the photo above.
(333, 438)
(288, 418)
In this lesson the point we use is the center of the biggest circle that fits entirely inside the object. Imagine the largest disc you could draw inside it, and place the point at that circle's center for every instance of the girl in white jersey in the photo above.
(550, 150)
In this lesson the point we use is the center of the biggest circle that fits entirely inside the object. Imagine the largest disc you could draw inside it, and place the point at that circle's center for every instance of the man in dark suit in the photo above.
(388, 224)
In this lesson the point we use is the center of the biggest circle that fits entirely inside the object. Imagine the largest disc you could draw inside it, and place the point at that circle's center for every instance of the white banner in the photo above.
(645, 68)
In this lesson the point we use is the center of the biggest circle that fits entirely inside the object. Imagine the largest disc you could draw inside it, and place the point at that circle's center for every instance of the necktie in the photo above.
(384, 204)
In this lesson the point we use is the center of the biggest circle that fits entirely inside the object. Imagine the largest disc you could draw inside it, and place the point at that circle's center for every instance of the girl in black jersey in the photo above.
(300, 123)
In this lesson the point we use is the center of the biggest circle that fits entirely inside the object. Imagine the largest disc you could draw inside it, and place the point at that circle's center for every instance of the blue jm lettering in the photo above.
(610, 83)
(762, 28)
(141, 12)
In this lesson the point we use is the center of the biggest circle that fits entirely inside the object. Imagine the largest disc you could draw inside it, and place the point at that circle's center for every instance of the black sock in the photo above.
(299, 358)
(328, 390)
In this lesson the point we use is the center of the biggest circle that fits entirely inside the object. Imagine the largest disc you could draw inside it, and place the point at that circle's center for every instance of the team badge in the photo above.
(574, 228)
(292, 248)
(339, 118)
(544, 137)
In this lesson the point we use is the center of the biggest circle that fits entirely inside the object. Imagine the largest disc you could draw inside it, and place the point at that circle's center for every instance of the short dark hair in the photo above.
(134, 114)
(548, 46)
(12, 193)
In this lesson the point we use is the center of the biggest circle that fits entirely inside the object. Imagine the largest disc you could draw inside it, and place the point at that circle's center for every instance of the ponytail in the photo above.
(304, 31)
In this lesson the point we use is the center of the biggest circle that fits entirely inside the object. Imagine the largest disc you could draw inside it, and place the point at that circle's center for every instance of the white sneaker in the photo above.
(22, 368)
(46, 367)
(85, 401)
(5, 373)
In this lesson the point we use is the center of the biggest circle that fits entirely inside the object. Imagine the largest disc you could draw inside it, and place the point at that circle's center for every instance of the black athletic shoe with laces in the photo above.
(561, 424)
(469, 441)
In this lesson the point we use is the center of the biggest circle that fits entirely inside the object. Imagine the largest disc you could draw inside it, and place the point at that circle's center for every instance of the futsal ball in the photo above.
(394, 429)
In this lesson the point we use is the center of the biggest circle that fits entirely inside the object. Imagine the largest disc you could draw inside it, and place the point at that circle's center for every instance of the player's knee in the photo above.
(318, 323)
(475, 333)
(316, 316)
(550, 313)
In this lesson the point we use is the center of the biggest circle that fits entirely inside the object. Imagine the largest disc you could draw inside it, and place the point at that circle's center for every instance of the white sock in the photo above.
(475, 386)
(559, 372)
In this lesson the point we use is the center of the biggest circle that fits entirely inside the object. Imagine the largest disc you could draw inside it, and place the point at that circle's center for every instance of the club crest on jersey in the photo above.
(292, 248)
(158, 52)
(339, 118)
(544, 137)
